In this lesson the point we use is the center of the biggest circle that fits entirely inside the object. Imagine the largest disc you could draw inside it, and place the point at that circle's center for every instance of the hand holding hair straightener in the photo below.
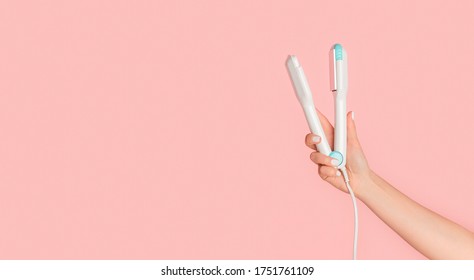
(436, 237)
(338, 84)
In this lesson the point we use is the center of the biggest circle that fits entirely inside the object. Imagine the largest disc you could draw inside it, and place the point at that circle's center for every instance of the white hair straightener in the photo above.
(338, 85)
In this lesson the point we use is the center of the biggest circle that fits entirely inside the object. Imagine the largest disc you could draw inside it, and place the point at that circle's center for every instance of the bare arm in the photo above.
(431, 234)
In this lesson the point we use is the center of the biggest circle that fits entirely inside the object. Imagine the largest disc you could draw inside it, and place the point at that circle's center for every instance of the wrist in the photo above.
(366, 186)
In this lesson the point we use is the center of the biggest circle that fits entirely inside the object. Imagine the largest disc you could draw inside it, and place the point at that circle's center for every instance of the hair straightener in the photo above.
(338, 85)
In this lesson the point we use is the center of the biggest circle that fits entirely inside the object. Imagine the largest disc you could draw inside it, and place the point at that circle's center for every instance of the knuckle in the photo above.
(319, 170)
(328, 161)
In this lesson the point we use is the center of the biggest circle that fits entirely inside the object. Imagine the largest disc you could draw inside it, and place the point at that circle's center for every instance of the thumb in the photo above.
(351, 129)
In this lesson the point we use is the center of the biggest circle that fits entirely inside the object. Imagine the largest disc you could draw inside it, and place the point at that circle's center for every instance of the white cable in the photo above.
(356, 219)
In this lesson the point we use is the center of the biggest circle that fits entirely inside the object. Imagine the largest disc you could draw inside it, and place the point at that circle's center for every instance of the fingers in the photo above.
(326, 172)
(327, 166)
(311, 140)
(323, 159)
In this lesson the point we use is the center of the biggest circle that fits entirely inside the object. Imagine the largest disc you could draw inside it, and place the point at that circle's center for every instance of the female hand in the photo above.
(356, 163)
(431, 234)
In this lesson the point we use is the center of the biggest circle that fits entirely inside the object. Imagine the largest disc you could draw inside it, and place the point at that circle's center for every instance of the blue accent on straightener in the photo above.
(338, 50)
(337, 155)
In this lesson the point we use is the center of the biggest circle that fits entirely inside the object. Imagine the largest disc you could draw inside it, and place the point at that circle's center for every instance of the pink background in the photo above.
(170, 129)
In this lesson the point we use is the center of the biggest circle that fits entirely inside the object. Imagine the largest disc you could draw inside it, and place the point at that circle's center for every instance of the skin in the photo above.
(428, 232)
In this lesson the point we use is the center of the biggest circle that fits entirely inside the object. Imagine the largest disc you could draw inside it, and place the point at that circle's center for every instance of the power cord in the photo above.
(356, 219)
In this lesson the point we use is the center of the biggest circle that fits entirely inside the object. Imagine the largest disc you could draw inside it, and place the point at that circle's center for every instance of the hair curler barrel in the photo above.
(305, 98)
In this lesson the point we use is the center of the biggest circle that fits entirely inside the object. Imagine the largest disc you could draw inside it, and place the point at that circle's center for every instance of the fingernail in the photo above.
(335, 162)
(316, 139)
(338, 173)
(352, 114)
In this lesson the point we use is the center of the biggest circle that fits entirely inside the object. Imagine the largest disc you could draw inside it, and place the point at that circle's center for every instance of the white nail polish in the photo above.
(335, 162)
(338, 173)
(316, 139)
(352, 115)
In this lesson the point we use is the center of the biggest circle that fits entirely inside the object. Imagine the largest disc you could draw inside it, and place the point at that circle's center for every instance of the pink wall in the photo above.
(140, 129)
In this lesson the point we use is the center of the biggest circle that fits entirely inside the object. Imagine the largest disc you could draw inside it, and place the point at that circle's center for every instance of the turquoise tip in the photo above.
(338, 50)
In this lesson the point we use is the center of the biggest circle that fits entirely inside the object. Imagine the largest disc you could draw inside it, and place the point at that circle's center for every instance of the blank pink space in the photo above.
(170, 130)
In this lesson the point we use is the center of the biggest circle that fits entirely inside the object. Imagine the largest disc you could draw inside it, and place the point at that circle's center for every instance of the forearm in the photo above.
(431, 234)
